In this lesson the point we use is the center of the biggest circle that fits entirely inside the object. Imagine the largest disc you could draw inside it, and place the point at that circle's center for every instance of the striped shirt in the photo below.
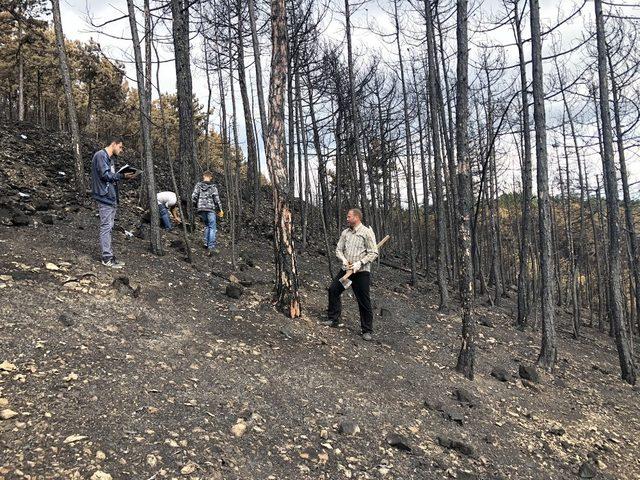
(358, 244)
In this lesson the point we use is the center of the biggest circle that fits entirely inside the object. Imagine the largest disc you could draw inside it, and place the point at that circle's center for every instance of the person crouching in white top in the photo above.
(167, 205)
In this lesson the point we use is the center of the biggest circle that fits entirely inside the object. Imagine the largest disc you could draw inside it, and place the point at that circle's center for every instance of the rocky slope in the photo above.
(156, 372)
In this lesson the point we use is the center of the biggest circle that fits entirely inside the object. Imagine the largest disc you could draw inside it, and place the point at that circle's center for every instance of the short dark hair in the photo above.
(207, 173)
(114, 139)
(357, 212)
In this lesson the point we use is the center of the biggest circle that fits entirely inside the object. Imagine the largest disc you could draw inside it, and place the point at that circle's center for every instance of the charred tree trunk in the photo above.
(68, 93)
(145, 126)
(627, 366)
(187, 149)
(466, 357)
(549, 350)
(287, 296)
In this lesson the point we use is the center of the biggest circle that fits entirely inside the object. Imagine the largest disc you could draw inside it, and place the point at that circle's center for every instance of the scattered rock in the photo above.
(434, 405)
(529, 372)
(529, 384)
(74, 438)
(559, 431)
(20, 220)
(455, 417)
(500, 374)
(246, 281)
(234, 291)
(66, 320)
(47, 219)
(100, 475)
(587, 470)
(398, 441)
(51, 266)
(457, 445)
(7, 366)
(7, 413)
(464, 396)
(239, 429)
(486, 322)
(42, 205)
(348, 427)
(188, 469)
(462, 475)
(123, 286)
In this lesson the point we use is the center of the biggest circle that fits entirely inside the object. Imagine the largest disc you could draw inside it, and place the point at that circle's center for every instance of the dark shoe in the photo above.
(332, 324)
(366, 336)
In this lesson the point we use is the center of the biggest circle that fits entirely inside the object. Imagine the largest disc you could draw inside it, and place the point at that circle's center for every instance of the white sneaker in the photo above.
(112, 263)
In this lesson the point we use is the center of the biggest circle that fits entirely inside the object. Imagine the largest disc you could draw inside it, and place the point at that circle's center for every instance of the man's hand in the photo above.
(356, 266)
(130, 175)
(346, 266)
(220, 214)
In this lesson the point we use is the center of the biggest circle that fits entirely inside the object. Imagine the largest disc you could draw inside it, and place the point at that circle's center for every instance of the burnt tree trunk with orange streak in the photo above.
(286, 295)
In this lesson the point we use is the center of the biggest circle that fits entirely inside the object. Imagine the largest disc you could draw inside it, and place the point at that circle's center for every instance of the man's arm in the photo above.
(216, 200)
(104, 170)
(371, 252)
(195, 194)
(340, 249)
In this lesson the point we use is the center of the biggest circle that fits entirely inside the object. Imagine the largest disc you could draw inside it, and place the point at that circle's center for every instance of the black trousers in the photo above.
(361, 283)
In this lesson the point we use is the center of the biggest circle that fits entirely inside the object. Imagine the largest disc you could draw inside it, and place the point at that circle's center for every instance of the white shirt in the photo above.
(169, 199)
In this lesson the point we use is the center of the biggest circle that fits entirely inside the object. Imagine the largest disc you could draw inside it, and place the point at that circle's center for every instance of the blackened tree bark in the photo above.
(287, 296)
(466, 357)
(549, 350)
(68, 93)
(144, 98)
(409, 159)
(437, 155)
(611, 185)
(187, 149)
(252, 154)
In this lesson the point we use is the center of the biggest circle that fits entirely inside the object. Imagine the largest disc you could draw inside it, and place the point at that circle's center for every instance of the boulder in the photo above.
(500, 374)
(529, 372)
(234, 291)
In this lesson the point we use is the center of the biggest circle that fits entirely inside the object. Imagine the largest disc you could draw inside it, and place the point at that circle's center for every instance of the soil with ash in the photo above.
(153, 371)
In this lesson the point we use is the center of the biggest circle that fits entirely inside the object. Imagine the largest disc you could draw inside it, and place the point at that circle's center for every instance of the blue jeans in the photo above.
(210, 229)
(164, 217)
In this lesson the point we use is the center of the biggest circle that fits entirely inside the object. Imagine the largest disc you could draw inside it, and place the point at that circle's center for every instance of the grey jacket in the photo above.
(104, 187)
(205, 197)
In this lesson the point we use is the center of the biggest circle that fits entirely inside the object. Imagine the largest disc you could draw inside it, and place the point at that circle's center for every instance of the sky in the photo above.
(371, 21)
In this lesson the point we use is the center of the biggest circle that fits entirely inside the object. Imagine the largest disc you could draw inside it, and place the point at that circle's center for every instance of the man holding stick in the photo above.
(356, 250)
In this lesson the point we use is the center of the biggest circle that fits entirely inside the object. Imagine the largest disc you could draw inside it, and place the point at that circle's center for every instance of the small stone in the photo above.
(42, 205)
(234, 291)
(455, 417)
(529, 372)
(238, 429)
(485, 322)
(7, 366)
(7, 413)
(500, 374)
(464, 396)
(458, 445)
(47, 219)
(386, 314)
(66, 320)
(100, 455)
(20, 220)
(587, 470)
(348, 427)
(188, 469)
(398, 441)
(51, 266)
(100, 475)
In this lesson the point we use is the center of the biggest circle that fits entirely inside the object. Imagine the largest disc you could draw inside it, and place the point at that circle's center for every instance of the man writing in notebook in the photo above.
(104, 190)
